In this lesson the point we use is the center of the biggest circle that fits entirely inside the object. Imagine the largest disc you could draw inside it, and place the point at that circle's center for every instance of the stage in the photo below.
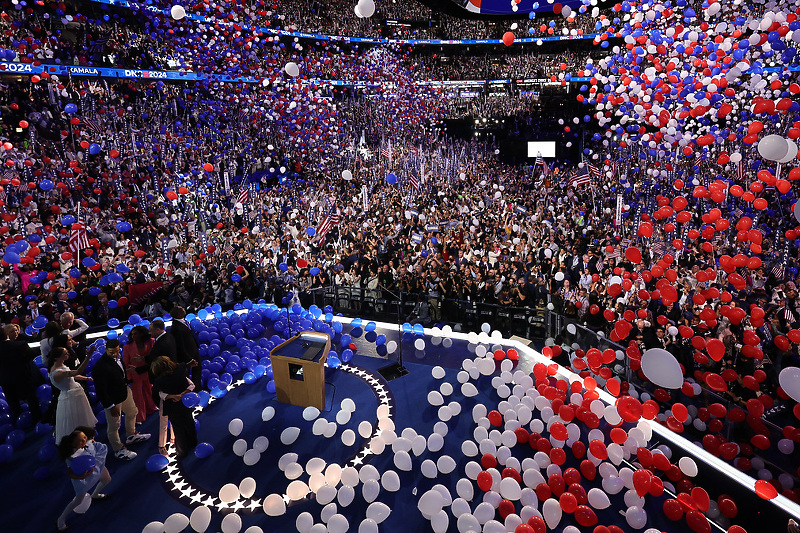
(438, 412)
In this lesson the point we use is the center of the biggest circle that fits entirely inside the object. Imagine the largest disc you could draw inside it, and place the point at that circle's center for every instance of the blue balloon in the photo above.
(236, 278)
(94, 149)
(334, 362)
(284, 267)
(113, 323)
(190, 399)
(11, 258)
(203, 450)
(391, 179)
(156, 463)
(311, 231)
(40, 322)
(134, 319)
(314, 271)
(249, 378)
(271, 386)
(82, 464)
(41, 473)
(70, 108)
(46, 185)
(347, 355)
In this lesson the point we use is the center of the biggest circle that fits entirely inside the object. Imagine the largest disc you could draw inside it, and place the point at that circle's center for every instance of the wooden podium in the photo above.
(298, 368)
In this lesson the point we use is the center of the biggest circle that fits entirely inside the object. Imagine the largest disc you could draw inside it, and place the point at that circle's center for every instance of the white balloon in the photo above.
(338, 524)
(789, 380)
(402, 461)
(688, 466)
(274, 505)
(292, 69)
(267, 413)
(200, 518)
(350, 477)
(636, 517)
(229, 493)
(390, 481)
(235, 427)
(559, 276)
(440, 522)
(370, 490)
(310, 413)
(297, 490)
(289, 435)
(348, 437)
(305, 521)
(598, 499)
(661, 368)
(232, 523)
(175, 523)
(152, 527)
(378, 512)
(366, 8)
(791, 152)
(261, 444)
(773, 147)
(247, 488)
(347, 175)
(346, 495)
(177, 12)
(367, 525)
(551, 511)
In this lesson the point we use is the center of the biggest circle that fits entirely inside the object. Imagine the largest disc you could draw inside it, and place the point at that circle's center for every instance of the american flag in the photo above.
(387, 152)
(78, 239)
(414, 182)
(244, 195)
(331, 219)
(594, 170)
(580, 178)
(228, 248)
(698, 160)
(92, 125)
(540, 161)
(740, 169)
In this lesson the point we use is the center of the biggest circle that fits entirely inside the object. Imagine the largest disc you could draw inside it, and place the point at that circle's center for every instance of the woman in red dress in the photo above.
(133, 357)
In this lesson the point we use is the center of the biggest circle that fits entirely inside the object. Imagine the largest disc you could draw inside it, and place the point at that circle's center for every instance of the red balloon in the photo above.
(485, 481)
(585, 516)
(673, 509)
(641, 481)
(568, 502)
(765, 489)
(508, 38)
(505, 508)
(698, 522)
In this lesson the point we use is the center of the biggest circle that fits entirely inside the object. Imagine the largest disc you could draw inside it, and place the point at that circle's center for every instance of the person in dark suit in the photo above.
(172, 382)
(164, 346)
(114, 394)
(164, 342)
(186, 344)
(17, 373)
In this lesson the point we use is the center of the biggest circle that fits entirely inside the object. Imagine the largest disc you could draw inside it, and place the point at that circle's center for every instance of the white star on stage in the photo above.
(237, 505)
(254, 504)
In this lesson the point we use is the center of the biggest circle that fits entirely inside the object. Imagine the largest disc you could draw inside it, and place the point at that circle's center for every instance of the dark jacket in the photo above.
(110, 382)
(164, 345)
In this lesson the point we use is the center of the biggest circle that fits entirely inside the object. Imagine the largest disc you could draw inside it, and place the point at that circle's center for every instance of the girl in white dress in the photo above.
(73, 407)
